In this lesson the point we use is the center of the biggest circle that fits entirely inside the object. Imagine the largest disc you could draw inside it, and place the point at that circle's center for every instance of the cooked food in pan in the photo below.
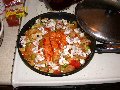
(55, 46)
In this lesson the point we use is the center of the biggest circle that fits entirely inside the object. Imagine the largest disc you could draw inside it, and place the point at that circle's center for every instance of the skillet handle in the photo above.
(112, 12)
(107, 48)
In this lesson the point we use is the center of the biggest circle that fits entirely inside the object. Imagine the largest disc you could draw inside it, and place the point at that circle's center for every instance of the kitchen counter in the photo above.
(7, 53)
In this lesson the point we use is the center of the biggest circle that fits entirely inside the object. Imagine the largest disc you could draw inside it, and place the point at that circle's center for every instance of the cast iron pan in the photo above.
(51, 15)
(100, 19)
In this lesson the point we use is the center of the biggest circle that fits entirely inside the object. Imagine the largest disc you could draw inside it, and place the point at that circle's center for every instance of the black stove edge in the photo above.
(105, 86)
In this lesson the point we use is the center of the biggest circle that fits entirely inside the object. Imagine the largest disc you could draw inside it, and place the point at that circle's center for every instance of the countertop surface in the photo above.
(7, 53)
(7, 50)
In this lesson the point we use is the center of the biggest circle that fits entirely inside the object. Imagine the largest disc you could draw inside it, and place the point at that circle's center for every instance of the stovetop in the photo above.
(103, 68)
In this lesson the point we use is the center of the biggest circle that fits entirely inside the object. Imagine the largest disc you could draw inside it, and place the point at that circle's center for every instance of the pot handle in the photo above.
(107, 48)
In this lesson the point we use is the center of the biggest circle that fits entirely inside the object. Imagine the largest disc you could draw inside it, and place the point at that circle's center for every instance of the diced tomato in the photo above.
(47, 29)
(57, 72)
(48, 57)
(48, 51)
(51, 41)
(46, 41)
(58, 34)
(54, 44)
(75, 63)
(76, 35)
(60, 46)
(24, 54)
(56, 52)
(52, 34)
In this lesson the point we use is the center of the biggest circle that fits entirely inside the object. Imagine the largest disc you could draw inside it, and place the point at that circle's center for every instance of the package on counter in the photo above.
(13, 15)
(9, 3)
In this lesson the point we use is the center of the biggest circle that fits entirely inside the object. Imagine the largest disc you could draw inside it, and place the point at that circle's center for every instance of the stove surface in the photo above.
(103, 68)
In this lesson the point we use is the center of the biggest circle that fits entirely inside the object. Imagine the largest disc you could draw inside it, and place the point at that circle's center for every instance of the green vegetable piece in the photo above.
(65, 65)
(87, 47)
(33, 56)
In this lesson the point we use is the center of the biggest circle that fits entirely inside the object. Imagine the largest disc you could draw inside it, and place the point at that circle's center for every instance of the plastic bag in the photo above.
(2, 7)
(9, 3)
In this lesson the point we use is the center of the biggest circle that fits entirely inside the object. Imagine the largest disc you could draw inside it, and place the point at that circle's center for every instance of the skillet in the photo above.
(54, 15)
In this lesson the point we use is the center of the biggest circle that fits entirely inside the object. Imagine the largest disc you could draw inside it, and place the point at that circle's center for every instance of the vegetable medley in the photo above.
(55, 46)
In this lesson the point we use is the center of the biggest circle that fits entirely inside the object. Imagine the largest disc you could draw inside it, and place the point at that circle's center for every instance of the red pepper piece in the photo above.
(57, 72)
(75, 63)
(47, 29)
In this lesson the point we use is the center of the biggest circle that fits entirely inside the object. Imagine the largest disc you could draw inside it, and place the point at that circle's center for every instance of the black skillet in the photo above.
(101, 20)
(51, 15)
